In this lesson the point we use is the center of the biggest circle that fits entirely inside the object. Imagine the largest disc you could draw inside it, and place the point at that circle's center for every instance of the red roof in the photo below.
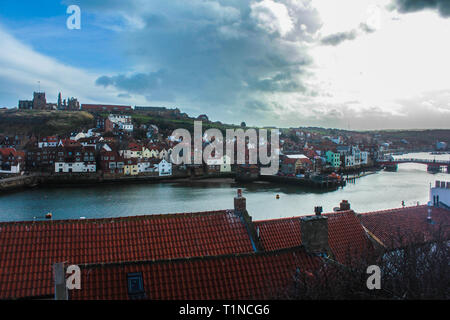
(29, 249)
(134, 147)
(232, 277)
(289, 160)
(345, 234)
(399, 227)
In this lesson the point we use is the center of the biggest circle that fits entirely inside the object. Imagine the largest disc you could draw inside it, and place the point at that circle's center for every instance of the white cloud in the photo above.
(21, 68)
(272, 17)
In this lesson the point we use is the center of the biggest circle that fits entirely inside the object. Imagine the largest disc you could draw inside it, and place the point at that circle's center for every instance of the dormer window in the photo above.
(135, 286)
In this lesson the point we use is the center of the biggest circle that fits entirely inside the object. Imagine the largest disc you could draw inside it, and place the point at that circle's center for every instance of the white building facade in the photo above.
(74, 167)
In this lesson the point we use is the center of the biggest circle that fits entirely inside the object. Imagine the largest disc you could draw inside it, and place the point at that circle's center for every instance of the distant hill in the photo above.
(29, 122)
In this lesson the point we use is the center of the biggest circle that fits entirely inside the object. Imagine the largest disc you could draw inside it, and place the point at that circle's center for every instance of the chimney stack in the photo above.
(318, 211)
(240, 210)
(344, 205)
(314, 233)
(240, 202)
(60, 281)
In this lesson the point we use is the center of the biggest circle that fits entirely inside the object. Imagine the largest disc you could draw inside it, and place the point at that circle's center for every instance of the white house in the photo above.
(126, 127)
(349, 160)
(440, 194)
(146, 167)
(48, 142)
(75, 167)
(226, 164)
(123, 122)
(165, 168)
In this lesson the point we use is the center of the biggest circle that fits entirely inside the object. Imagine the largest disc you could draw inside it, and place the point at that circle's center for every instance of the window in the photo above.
(135, 286)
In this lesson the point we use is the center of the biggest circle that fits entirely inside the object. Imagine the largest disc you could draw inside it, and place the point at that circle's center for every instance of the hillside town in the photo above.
(119, 145)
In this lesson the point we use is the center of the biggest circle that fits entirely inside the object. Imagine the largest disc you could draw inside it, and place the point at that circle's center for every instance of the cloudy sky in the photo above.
(358, 64)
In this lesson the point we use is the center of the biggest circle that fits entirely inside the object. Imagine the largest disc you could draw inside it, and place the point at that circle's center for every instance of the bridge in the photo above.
(432, 165)
(412, 160)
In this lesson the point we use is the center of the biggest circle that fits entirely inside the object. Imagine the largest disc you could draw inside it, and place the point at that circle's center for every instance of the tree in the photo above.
(243, 124)
(415, 271)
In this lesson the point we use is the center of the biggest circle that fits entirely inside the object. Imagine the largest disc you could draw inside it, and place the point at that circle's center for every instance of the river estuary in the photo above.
(382, 190)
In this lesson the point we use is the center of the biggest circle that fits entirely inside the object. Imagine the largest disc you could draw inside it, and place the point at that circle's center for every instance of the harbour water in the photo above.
(382, 190)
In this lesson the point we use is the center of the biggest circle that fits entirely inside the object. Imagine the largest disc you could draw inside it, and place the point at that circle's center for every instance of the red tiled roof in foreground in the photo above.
(28, 250)
(399, 227)
(245, 276)
(346, 236)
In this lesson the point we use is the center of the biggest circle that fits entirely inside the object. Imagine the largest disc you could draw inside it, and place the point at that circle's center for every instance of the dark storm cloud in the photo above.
(407, 6)
(215, 54)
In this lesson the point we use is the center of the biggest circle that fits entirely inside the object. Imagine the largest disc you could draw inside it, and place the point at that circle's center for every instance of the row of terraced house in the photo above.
(82, 154)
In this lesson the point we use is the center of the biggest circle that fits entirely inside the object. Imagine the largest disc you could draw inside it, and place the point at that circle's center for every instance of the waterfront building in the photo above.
(74, 158)
(440, 194)
(110, 161)
(11, 161)
(165, 168)
(131, 167)
(333, 158)
(147, 165)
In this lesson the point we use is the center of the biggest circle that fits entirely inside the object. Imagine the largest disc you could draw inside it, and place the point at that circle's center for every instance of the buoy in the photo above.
(48, 215)
(278, 196)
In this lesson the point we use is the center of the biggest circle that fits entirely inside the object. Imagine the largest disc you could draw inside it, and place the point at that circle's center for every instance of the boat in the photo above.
(48, 215)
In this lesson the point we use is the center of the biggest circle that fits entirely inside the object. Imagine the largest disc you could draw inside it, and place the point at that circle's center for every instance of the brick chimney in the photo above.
(240, 209)
(314, 233)
(240, 203)
(344, 205)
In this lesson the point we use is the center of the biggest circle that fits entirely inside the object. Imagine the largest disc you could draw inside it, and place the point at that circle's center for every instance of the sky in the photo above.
(350, 64)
